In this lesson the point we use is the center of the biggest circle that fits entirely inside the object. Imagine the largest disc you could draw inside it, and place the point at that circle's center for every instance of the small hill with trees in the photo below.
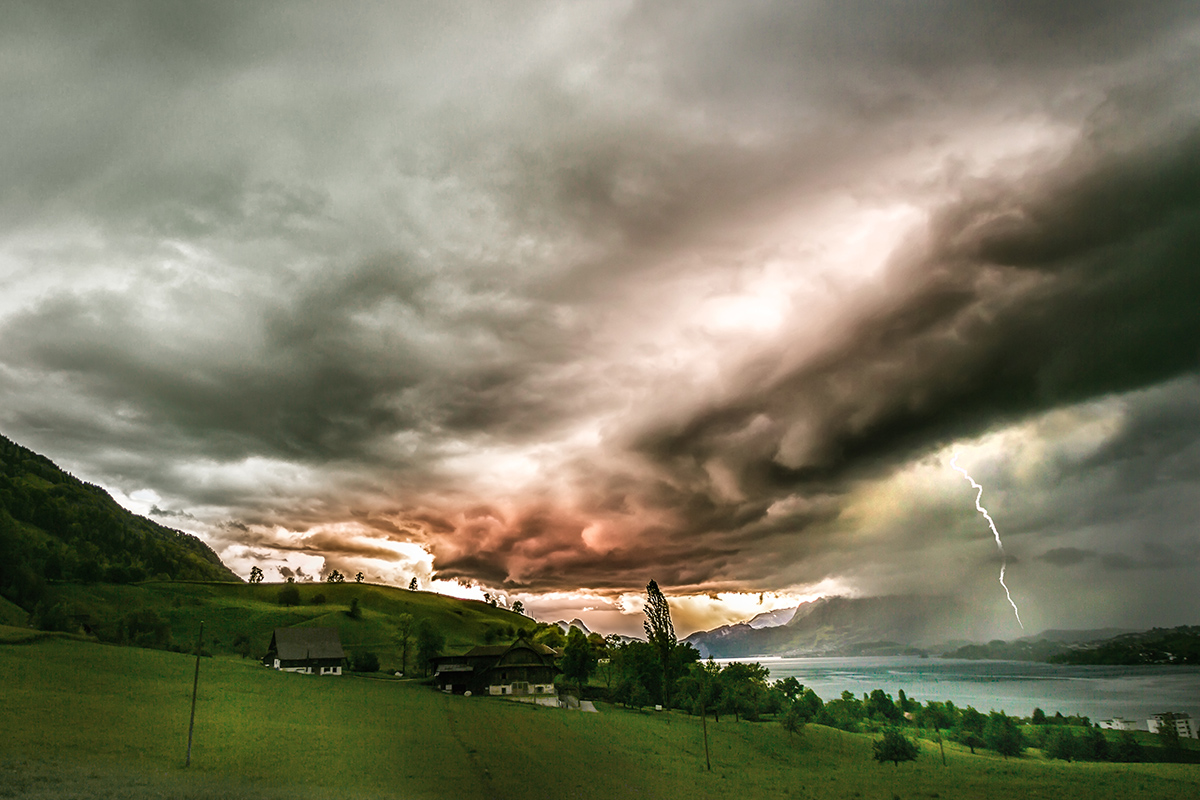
(384, 621)
(54, 527)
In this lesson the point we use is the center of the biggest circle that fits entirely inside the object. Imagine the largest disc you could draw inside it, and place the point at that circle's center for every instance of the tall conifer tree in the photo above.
(661, 634)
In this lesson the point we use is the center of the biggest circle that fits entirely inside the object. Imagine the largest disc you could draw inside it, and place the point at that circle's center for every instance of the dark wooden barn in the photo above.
(520, 668)
(314, 651)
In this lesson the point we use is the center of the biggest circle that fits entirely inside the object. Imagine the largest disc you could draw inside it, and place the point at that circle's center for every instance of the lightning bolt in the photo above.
(991, 524)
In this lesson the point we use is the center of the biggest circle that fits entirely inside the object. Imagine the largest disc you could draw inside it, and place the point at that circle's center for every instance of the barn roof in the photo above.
(497, 650)
(293, 644)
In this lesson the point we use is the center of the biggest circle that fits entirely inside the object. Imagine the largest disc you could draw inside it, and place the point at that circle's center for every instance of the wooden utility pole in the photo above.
(195, 687)
(704, 725)
(941, 746)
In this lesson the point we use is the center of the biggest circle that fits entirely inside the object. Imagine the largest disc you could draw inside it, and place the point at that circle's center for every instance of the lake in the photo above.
(1015, 687)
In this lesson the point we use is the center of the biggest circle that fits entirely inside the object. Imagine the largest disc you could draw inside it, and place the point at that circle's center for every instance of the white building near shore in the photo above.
(1183, 723)
(1119, 724)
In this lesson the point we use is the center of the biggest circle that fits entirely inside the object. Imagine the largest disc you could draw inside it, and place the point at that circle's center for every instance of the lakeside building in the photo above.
(312, 651)
(1119, 724)
(1182, 721)
(519, 669)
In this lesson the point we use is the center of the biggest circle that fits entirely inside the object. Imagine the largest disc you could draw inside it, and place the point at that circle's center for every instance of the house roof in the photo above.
(497, 650)
(294, 644)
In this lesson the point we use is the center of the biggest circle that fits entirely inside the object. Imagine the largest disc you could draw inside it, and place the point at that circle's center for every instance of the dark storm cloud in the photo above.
(298, 268)
(1067, 556)
(1033, 296)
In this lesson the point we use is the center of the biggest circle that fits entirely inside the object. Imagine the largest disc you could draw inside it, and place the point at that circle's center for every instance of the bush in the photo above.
(145, 628)
(365, 662)
(1129, 750)
(289, 595)
(318, 599)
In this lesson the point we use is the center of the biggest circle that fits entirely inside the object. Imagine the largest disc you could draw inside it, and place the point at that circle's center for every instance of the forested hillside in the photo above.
(1157, 646)
(56, 527)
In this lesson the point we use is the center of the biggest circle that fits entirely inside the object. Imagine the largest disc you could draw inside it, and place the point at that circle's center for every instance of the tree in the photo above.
(549, 635)
(336, 577)
(256, 575)
(638, 696)
(318, 599)
(845, 713)
(1168, 731)
(404, 631)
(661, 633)
(579, 660)
(743, 689)
(879, 706)
(354, 612)
(358, 578)
(895, 747)
(789, 687)
(518, 607)
(412, 585)
(1060, 744)
(794, 718)
(1038, 718)
(1002, 735)
(430, 642)
(289, 595)
(1094, 746)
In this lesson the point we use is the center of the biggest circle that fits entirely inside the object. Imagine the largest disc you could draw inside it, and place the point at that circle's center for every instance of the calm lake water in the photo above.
(1016, 687)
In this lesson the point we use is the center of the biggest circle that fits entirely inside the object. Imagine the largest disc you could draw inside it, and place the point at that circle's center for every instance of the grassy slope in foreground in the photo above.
(230, 609)
(84, 719)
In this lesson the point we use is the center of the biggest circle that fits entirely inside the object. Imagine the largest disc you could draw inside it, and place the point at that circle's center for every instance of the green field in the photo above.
(91, 720)
(253, 611)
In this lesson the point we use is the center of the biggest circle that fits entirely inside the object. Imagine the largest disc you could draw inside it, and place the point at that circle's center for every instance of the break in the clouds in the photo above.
(555, 298)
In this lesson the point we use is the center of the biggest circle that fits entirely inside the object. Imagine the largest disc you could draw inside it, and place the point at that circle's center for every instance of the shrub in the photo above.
(289, 595)
(365, 662)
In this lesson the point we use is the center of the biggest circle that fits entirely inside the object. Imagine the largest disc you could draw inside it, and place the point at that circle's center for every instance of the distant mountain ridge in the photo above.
(54, 526)
(842, 626)
(773, 619)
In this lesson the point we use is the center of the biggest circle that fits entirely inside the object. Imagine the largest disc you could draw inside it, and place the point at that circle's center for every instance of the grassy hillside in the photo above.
(85, 719)
(56, 527)
(234, 614)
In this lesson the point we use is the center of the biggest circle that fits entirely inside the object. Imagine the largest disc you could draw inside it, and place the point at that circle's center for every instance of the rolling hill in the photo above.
(54, 526)
(239, 618)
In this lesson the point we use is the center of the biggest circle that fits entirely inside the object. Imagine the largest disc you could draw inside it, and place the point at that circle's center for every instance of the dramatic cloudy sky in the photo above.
(550, 299)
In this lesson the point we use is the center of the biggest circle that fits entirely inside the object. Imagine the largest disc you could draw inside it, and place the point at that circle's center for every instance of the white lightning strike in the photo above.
(991, 524)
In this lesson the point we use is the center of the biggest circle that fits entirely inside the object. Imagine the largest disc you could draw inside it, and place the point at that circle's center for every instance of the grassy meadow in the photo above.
(89, 720)
(231, 610)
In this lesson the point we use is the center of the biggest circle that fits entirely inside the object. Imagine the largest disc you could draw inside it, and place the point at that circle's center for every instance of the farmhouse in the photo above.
(520, 668)
(314, 651)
